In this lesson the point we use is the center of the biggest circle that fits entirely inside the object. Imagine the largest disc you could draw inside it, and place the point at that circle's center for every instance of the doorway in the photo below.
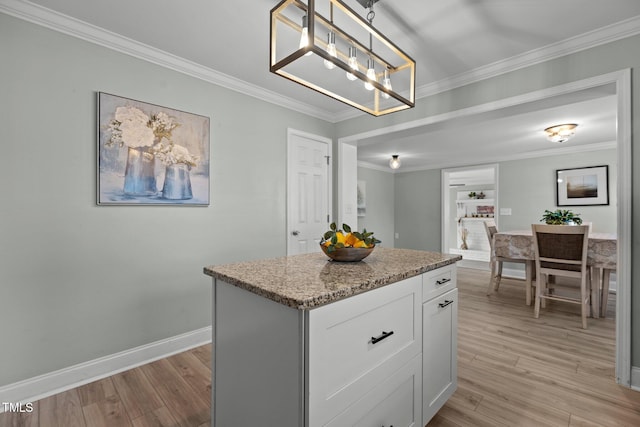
(621, 80)
(469, 198)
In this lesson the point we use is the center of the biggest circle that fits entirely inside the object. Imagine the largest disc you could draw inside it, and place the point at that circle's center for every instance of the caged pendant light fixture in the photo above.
(327, 46)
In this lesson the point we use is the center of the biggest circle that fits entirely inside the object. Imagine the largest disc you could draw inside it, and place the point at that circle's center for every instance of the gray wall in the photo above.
(80, 281)
(418, 210)
(610, 57)
(528, 188)
(379, 217)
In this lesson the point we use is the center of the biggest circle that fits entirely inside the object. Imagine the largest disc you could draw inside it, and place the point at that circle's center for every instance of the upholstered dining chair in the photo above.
(496, 264)
(561, 251)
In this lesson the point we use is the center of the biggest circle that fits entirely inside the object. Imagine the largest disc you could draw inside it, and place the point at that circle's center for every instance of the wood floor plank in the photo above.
(578, 421)
(203, 353)
(194, 372)
(544, 391)
(109, 412)
(136, 392)
(62, 410)
(522, 413)
(465, 397)
(188, 407)
(21, 419)
(96, 391)
(160, 417)
(462, 417)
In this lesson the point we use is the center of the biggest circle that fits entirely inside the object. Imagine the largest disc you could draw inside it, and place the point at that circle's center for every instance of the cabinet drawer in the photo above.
(357, 342)
(438, 281)
(395, 402)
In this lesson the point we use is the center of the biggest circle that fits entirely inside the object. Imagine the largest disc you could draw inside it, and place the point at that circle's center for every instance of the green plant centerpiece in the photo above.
(561, 217)
(347, 245)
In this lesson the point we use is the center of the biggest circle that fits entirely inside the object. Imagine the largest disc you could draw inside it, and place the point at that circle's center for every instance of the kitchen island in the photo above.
(304, 341)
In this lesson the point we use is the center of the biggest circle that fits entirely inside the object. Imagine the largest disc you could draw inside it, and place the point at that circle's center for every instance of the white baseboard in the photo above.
(55, 382)
(635, 378)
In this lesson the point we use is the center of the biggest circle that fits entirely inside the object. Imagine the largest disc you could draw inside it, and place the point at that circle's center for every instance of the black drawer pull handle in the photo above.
(445, 303)
(442, 282)
(375, 340)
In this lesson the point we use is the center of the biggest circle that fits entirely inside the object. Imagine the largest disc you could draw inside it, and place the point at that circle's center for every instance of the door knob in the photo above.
(295, 232)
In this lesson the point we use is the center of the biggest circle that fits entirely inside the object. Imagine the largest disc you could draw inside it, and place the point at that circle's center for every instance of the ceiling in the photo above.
(453, 42)
(514, 132)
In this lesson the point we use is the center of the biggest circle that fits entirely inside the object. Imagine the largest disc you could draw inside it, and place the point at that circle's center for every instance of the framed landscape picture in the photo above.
(151, 155)
(587, 186)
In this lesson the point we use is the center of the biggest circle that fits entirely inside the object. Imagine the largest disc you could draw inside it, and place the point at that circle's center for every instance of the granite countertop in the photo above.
(311, 280)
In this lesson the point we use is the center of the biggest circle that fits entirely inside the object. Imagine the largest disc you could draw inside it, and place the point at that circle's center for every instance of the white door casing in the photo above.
(308, 191)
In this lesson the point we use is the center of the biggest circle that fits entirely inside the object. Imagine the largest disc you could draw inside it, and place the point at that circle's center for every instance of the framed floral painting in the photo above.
(151, 155)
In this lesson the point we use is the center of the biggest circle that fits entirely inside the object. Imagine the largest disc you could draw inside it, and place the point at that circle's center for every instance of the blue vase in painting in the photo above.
(139, 175)
(177, 182)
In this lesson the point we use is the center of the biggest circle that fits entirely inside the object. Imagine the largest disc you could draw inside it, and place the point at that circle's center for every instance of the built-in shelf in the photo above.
(474, 218)
(470, 215)
(477, 201)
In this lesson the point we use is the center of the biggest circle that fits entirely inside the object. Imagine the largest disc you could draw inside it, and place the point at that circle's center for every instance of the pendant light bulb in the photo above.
(394, 163)
(353, 62)
(304, 35)
(371, 73)
(331, 50)
(386, 82)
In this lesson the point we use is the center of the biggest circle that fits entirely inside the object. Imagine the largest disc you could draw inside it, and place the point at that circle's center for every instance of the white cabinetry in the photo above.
(356, 344)
(385, 357)
(440, 340)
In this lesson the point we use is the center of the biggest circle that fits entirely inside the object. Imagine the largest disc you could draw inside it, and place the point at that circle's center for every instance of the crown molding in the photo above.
(65, 24)
(618, 31)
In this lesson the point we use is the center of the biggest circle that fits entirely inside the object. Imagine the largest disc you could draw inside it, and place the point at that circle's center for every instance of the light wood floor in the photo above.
(513, 370)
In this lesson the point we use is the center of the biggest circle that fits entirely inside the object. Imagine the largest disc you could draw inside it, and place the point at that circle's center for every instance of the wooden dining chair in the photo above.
(604, 296)
(561, 251)
(496, 264)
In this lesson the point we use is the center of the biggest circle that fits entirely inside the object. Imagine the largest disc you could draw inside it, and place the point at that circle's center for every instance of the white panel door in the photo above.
(308, 192)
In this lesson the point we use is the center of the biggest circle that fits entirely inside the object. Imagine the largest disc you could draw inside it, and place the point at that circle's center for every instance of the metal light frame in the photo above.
(401, 62)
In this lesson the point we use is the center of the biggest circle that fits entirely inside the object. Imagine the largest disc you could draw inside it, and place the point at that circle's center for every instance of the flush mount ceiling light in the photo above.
(394, 163)
(560, 133)
(328, 47)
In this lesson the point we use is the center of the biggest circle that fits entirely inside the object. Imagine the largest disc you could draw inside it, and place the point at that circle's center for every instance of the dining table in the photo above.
(602, 258)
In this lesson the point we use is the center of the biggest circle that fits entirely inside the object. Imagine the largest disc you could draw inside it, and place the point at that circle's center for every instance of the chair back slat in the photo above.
(561, 247)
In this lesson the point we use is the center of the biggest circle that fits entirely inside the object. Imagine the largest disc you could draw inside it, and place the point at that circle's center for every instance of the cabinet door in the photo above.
(355, 343)
(393, 403)
(439, 352)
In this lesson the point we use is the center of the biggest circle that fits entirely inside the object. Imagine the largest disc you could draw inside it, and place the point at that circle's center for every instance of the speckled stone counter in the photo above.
(311, 280)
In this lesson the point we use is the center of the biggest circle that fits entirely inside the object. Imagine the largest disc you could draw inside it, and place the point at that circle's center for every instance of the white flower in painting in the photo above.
(130, 127)
(133, 125)
(173, 153)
